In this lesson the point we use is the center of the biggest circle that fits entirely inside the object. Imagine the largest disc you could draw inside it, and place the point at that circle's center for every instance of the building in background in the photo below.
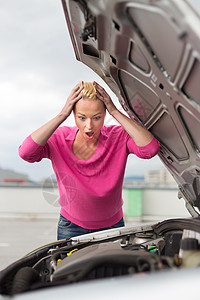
(160, 176)
(10, 176)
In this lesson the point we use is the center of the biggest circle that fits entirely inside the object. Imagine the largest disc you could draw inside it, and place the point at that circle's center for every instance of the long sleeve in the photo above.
(32, 152)
(145, 152)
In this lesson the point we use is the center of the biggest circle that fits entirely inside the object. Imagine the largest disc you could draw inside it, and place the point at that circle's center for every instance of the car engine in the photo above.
(169, 245)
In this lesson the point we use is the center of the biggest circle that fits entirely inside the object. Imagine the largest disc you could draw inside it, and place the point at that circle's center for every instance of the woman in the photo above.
(89, 159)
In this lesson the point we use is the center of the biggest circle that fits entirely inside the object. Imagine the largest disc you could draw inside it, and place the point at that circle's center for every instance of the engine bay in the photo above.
(169, 245)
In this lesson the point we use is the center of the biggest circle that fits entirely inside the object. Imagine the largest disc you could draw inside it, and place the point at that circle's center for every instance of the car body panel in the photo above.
(165, 284)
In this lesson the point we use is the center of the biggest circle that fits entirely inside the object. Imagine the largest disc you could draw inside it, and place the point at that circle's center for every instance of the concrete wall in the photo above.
(29, 201)
(41, 202)
(163, 203)
(156, 204)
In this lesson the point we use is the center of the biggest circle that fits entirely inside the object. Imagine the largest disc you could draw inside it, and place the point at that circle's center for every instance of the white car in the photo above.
(148, 52)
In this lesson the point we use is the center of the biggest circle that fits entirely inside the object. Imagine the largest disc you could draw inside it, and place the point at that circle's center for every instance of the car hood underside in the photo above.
(148, 52)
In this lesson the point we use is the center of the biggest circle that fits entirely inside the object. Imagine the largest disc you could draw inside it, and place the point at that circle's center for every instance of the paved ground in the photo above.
(19, 236)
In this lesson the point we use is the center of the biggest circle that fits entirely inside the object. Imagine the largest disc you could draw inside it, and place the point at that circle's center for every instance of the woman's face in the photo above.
(89, 117)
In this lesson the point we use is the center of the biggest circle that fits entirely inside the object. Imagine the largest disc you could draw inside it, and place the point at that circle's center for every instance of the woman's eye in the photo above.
(97, 118)
(81, 118)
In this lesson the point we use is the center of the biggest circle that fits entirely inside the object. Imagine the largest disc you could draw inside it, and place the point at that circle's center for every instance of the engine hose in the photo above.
(24, 279)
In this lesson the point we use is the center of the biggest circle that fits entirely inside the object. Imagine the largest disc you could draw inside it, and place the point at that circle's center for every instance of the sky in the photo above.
(38, 71)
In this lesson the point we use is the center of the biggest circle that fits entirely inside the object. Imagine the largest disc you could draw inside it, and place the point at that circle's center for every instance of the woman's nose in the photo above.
(89, 123)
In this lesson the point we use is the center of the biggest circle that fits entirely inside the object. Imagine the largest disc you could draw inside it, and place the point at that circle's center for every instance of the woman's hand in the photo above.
(42, 134)
(105, 98)
(138, 133)
(74, 96)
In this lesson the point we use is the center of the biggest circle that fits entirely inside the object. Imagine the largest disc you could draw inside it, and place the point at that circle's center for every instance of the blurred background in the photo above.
(38, 71)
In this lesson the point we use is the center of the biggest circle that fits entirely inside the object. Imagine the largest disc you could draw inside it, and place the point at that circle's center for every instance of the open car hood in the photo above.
(148, 52)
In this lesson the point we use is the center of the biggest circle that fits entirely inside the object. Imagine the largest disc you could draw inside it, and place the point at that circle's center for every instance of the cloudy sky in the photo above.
(38, 71)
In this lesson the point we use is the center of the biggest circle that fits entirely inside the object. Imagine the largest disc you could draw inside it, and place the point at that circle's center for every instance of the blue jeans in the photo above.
(67, 229)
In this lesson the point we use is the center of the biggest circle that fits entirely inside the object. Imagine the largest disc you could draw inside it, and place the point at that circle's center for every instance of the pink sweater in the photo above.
(90, 189)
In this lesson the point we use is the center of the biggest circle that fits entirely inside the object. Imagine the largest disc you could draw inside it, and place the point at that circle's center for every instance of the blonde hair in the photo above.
(89, 90)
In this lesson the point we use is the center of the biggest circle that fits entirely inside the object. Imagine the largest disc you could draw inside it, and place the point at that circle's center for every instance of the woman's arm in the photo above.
(139, 134)
(42, 134)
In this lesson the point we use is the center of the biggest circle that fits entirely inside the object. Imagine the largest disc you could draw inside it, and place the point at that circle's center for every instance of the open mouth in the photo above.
(90, 134)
